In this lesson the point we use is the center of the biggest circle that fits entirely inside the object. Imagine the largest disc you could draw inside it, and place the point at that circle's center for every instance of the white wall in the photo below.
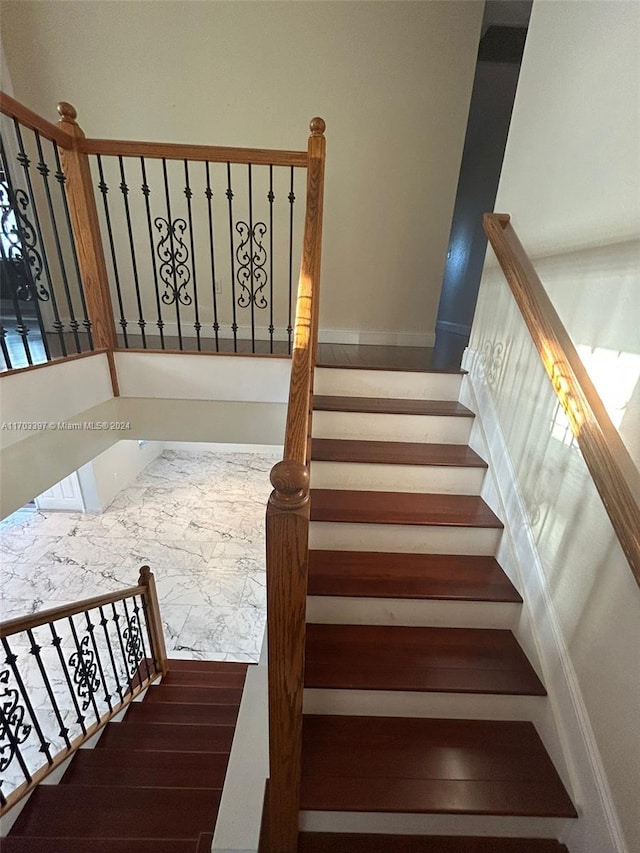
(571, 181)
(113, 470)
(392, 80)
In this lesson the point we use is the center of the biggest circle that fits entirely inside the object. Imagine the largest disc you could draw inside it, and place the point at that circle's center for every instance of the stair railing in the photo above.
(614, 473)
(66, 672)
(287, 532)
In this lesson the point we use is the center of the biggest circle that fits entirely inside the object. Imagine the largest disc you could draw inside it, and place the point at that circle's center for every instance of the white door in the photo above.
(64, 495)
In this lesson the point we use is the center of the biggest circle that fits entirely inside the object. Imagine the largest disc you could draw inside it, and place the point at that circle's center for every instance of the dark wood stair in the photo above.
(323, 842)
(382, 657)
(391, 406)
(343, 505)
(394, 453)
(371, 574)
(414, 765)
(153, 782)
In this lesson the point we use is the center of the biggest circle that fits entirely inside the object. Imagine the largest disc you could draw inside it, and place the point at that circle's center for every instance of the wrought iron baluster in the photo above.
(271, 199)
(35, 651)
(21, 327)
(292, 199)
(145, 658)
(251, 262)
(84, 676)
(152, 647)
(146, 192)
(3, 346)
(124, 189)
(234, 324)
(104, 622)
(209, 196)
(189, 194)
(61, 179)
(25, 163)
(104, 189)
(14, 728)
(132, 644)
(116, 618)
(56, 642)
(173, 253)
(44, 170)
(27, 252)
(91, 630)
(24, 696)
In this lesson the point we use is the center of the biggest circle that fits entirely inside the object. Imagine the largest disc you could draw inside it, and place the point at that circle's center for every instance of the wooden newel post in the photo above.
(287, 552)
(86, 233)
(154, 622)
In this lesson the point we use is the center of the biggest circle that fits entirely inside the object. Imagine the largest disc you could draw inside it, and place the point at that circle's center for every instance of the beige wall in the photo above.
(571, 181)
(393, 81)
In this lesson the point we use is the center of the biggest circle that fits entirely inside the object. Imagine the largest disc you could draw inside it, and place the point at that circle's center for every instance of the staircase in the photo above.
(418, 697)
(153, 782)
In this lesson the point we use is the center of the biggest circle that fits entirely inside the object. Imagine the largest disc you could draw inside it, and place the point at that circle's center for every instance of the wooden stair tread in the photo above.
(222, 666)
(182, 712)
(146, 768)
(394, 453)
(396, 764)
(345, 505)
(390, 406)
(196, 695)
(181, 737)
(381, 657)
(371, 574)
(84, 811)
(321, 842)
(43, 844)
(204, 678)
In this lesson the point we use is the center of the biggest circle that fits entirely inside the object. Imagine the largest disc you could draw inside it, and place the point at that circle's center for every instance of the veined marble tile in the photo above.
(223, 629)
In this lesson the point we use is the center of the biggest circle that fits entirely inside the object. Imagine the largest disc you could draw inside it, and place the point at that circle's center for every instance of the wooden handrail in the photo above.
(614, 473)
(287, 529)
(14, 109)
(181, 151)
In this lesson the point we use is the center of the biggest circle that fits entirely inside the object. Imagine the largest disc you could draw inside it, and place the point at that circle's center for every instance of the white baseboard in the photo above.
(598, 828)
(377, 336)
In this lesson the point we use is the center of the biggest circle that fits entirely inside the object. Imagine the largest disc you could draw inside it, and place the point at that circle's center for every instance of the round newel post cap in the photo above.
(145, 574)
(290, 481)
(67, 112)
(317, 126)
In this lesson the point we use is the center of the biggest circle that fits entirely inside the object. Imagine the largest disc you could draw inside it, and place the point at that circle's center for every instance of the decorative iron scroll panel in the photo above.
(43, 313)
(59, 680)
(201, 256)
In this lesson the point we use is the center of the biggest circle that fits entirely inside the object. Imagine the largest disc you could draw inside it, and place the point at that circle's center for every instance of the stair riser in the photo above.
(387, 383)
(342, 610)
(432, 824)
(401, 538)
(430, 479)
(432, 429)
(391, 703)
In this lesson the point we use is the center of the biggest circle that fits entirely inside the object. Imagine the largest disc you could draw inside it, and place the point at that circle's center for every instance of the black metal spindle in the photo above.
(25, 163)
(35, 651)
(116, 618)
(132, 647)
(271, 198)
(3, 346)
(172, 249)
(124, 189)
(28, 251)
(104, 189)
(14, 743)
(44, 171)
(56, 642)
(104, 622)
(292, 199)
(84, 675)
(21, 327)
(146, 192)
(152, 649)
(91, 631)
(209, 196)
(145, 658)
(11, 660)
(234, 325)
(189, 193)
(61, 179)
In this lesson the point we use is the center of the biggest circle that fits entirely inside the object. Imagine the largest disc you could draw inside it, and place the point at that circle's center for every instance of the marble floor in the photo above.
(197, 518)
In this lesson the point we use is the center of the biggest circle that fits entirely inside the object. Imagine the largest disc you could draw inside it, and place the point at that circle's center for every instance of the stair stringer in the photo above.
(564, 724)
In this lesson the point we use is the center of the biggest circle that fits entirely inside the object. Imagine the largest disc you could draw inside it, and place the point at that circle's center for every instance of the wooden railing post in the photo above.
(287, 551)
(154, 622)
(86, 234)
